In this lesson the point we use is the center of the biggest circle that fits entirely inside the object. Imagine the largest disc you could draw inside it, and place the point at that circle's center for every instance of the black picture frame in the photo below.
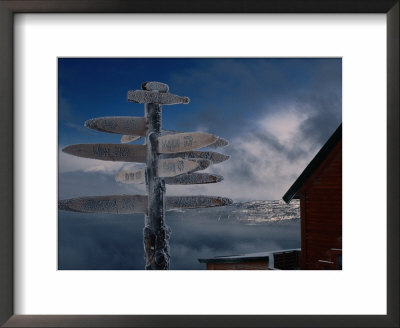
(7, 10)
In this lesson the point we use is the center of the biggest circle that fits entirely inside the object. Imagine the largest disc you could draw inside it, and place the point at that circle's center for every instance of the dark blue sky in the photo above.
(226, 94)
(276, 114)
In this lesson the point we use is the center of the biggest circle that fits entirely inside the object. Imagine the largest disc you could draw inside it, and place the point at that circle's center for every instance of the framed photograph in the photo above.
(223, 182)
(253, 100)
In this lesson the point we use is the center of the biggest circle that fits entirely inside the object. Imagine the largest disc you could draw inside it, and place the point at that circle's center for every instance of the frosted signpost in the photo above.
(170, 157)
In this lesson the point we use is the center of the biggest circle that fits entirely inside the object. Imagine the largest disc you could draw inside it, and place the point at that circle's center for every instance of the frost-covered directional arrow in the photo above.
(118, 204)
(181, 142)
(119, 124)
(109, 152)
(193, 178)
(212, 156)
(219, 142)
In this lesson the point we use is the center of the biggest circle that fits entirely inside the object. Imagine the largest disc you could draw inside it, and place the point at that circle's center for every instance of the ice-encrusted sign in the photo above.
(119, 124)
(130, 204)
(180, 142)
(109, 152)
(170, 157)
(169, 167)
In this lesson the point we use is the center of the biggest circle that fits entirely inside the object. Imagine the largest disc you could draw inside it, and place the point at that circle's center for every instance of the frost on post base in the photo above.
(156, 247)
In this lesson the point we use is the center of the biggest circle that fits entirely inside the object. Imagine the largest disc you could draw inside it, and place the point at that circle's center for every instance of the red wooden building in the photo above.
(319, 189)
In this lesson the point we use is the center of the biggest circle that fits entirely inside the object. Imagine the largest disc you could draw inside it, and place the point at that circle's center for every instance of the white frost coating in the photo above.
(119, 124)
(154, 97)
(203, 164)
(115, 204)
(109, 152)
(196, 201)
(132, 176)
(220, 142)
(175, 166)
(129, 138)
(212, 156)
(193, 178)
(155, 86)
(181, 142)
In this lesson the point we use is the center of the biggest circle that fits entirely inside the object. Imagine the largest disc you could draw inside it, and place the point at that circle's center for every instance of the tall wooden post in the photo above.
(179, 161)
(155, 233)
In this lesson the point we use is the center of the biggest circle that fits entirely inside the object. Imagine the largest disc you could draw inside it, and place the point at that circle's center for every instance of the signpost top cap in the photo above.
(155, 86)
(155, 97)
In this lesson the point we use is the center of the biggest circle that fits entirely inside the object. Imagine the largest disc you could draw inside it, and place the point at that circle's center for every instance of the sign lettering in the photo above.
(220, 142)
(166, 168)
(181, 142)
(131, 176)
(175, 166)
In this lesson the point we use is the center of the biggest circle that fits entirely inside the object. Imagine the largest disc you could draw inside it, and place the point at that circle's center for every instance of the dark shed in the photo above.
(238, 262)
(319, 189)
(279, 260)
